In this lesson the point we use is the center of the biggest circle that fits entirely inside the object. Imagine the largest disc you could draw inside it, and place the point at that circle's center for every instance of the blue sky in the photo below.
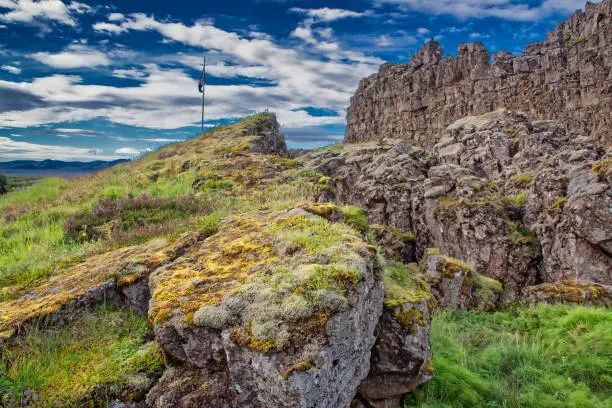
(103, 80)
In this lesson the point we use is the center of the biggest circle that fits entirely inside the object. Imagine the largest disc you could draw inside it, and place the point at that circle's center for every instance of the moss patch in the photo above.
(404, 285)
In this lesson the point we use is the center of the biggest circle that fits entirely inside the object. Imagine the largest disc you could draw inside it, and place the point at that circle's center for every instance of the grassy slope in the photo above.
(33, 243)
(61, 367)
(548, 357)
(544, 357)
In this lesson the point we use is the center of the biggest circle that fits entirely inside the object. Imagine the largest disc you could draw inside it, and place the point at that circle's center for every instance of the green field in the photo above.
(543, 357)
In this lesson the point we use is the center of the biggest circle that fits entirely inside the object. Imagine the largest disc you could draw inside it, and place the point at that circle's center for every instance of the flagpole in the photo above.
(203, 92)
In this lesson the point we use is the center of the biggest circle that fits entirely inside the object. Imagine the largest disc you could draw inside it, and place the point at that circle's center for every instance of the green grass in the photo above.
(63, 367)
(548, 357)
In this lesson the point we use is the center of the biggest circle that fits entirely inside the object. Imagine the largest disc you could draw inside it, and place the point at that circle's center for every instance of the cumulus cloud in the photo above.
(128, 151)
(293, 78)
(129, 74)
(504, 9)
(29, 11)
(109, 28)
(74, 56)
(327, 14)
(11, 69)
(16, 150)
(115, 17)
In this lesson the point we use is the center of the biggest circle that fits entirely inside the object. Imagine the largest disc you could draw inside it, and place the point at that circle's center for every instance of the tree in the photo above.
(3, 180)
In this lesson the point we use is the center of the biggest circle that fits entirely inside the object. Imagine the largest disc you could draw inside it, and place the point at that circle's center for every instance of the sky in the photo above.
(106, 80)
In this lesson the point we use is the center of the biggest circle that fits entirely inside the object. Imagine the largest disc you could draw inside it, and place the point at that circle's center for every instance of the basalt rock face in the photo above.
(519, 201)
(567, 78)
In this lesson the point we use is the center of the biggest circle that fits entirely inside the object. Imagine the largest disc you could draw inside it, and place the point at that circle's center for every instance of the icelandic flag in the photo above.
(202, 82)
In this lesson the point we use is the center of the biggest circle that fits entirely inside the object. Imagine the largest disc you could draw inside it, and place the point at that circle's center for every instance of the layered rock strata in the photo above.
(567, 78)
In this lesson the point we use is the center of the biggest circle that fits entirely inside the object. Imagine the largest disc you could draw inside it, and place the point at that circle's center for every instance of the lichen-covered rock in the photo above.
(276, 309)
(456, 285)
(565, 78)
(108, 277)
(570, 291)
(401, 356)
(521, 201)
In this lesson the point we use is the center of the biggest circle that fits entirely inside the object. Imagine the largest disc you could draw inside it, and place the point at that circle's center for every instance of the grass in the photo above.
(17, 182)
(547, 356)
(64, 367)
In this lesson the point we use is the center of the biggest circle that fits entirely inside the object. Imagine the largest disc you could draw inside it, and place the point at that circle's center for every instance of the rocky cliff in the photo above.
(520, 201)
(568, 78)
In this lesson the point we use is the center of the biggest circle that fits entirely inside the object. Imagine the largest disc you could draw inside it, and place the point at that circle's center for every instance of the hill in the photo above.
(466, 264)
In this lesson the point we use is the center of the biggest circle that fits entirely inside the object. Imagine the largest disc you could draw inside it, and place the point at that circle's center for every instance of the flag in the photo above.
(202, 81)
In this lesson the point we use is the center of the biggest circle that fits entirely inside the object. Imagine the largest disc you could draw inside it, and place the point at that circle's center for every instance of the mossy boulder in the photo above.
(401, 357)
(285, 303)
(456, 285)
(570, 291)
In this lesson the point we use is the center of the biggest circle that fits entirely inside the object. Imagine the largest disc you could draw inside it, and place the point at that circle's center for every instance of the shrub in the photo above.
(138, 216)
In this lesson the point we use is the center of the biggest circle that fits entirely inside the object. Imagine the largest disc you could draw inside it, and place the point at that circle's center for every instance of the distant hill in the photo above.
(54, 167)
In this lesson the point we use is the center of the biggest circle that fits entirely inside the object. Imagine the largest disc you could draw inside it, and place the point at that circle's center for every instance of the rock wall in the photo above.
(567, 77)
(519, 201)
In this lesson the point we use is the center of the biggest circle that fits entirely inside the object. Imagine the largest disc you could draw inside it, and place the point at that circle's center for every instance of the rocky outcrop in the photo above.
(570, 291)
(243, 324)
(401, 356)
(519, 201)
(568, 78)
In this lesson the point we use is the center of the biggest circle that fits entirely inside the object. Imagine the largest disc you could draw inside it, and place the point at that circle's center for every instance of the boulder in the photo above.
(276, 309)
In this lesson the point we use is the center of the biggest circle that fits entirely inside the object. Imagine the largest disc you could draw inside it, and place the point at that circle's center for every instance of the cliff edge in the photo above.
(568, 78)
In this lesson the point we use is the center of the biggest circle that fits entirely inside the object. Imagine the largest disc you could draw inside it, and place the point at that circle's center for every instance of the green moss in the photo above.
(402, 285)
(521, 180)
(411, 319)
(514, 201)
(356, 218)
(450, 266)
(602, 167)
(557, 205)
(212, 184)
(312, 234)
(282, 162)
(521, 235)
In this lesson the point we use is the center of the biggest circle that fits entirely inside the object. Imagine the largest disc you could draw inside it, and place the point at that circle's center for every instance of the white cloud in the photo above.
(129, 151)
(504, 9)
(115, 17)
(477, 36)
(80, 8)
(14, 150)
(384, 41)
(27, 11)
(108, 28)
(129, 74)
(74, 56)
(327, 14)
(324, 76)
(162, 140)
(423, 31)
(2, 26)
(11, 69)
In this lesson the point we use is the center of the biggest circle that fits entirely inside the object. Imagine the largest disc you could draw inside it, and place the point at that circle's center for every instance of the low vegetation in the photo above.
(548, 357)
(67, 367)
